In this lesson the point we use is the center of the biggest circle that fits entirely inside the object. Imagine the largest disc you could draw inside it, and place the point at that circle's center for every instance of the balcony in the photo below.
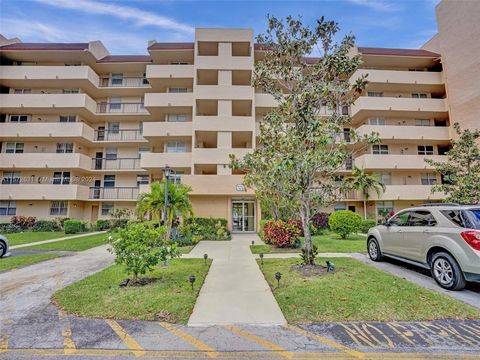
(130, 81)
(160, 160)
(401, 162)
(408, 192)
(45, 161)
(153, 100)
(116, 164)
(119, 135)
(157, 72)
(224, 62)
(113, 193)
(44, 192)
(46, 131)
(409, 133)
(215, 184)
(217, 156)
(400, 77)
(81, 104)
(232, 92)
(265, 101)
(223, 123)
(121, 108)
(390, 106)
(166, 129)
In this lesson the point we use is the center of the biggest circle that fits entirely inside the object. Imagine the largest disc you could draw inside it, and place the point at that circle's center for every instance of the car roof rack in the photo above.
(442, 204)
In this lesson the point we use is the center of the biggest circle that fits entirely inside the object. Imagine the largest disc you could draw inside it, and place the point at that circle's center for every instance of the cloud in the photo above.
(377, 5)
(140, 17)
(34, 30)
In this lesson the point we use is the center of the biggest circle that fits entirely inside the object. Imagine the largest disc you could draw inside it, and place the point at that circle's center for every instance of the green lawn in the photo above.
(31, 236)
(356, 291)
(170, 297)
(185, 249)
(77, 244)
(329, 242)
(15, 262)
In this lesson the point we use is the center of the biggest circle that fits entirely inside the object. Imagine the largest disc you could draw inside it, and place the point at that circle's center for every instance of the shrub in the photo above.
(24, 222)
(139, 248)
(345, 222)
(205, 229)
(206, 222)
(366, 225)
(320, 222)
(103, 224)
(281, 233)
(47, 225)
(262, 226)
(62, 220)
(6, 228)
(75, 226)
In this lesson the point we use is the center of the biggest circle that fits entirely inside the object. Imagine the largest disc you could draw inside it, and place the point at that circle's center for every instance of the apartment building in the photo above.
(83, 132)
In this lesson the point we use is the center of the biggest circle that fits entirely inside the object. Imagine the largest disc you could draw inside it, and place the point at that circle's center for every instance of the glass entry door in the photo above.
(243, 216)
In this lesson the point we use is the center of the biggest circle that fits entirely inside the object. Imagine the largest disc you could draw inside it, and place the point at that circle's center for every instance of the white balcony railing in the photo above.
(121, 108)
(134, 81)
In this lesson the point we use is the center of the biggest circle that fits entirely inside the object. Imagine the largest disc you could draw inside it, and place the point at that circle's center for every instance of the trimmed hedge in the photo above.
(75, 226)
(6, 228)
(103, 224)
(366, 225)
(206, 222)
(47, 225)
(345, 222)
(196, 229)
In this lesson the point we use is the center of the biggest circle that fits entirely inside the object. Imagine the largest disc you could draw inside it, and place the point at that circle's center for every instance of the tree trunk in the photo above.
(365, 209)
(135, 277)
(305, 216)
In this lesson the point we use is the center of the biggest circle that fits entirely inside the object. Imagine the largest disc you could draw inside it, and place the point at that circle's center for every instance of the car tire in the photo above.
(446, 271)
(373, 249)
(3, 248)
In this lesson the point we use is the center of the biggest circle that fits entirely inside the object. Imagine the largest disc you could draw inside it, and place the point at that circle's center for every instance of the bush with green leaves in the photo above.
(103, 224)
(7, 228)
(206, 228)
(345, 222)
(367, 224)
(261, 230)
(140, 247)
(24, 222)
(47, 225)
(75, 226)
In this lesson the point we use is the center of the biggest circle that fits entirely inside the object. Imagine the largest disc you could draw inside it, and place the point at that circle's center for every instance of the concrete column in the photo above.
(224, 107)
(225, 49)
(224, 139)
(225, 77)
(223, 169)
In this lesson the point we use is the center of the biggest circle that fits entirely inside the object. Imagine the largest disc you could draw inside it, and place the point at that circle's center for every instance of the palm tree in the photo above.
(153, 203)
(365, 183)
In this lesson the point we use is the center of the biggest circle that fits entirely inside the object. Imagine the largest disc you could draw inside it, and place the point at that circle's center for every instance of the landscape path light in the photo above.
(192, 279)
(205, 257)
(278, 276)
(261, 258)
(330, 266)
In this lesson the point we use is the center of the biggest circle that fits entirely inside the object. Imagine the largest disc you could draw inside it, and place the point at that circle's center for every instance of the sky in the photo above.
(125, 27)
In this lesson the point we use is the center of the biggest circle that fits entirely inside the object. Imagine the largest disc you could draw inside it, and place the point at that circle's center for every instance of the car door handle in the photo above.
(426, 230)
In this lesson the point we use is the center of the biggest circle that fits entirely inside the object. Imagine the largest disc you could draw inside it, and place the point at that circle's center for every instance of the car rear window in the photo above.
(464, 218)
(472, 218)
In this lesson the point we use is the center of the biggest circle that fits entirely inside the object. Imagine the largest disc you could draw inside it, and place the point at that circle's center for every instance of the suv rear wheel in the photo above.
(3, 248)
(373, 248)
(446, 272)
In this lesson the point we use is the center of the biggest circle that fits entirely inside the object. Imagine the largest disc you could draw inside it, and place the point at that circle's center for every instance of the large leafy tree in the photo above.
(461, 170)
(153, 203)
(365, 183)
(298, 139)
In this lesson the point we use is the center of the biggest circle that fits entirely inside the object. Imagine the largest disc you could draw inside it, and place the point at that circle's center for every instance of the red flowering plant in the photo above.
(282, 233)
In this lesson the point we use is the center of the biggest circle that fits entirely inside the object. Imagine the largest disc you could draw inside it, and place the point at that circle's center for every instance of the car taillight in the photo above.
(472, 238)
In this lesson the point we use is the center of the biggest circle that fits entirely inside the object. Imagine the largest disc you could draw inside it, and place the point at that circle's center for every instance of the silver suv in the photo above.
(444, 238)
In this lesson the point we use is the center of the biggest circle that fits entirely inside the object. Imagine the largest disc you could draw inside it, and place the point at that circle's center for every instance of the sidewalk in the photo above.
(55, 240)
(235, 291)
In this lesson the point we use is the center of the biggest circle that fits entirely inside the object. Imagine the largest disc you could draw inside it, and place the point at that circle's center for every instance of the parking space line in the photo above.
(329, 342)
(135, 347)
(265, 343)
(68, 344)
(200, 345)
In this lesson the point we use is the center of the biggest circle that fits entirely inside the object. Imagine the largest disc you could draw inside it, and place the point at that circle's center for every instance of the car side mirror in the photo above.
(386, 223)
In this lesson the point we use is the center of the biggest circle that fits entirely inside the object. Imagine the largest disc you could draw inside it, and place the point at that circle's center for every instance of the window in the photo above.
(176, 176)
(142, 180)
(419, 95)
(109, 181)
(422, 122)
(176, 147)
(22, 91)
(111, 153)
(64, 148)
(376, 121)
(380, 149)
(178, 63)
(177, 90)
(11, 177)
(386, 178)
(421, 218)
(115, 103)
(61, 177)
(400, 219)
(114, 127)
(143, 149)
(68, 118)
(177, 118)
(340, 206)
(117, 79)
(14, 148)
(8, 207)
(375, 93)
(384, 207)
(425, 149)
(58, 207)
(107, 209)
(19, 118)
(429, 179)
(71, 91)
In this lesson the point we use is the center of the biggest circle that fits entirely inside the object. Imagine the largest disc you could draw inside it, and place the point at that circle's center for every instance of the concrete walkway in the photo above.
(235, 290)
(55, 240)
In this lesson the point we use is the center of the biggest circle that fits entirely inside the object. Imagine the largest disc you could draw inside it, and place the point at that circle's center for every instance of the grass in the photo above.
(169, 298)
(15, 262)
(356, 291)
(77, 244)
(329, 242)
(33, 236)
(185, 249)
